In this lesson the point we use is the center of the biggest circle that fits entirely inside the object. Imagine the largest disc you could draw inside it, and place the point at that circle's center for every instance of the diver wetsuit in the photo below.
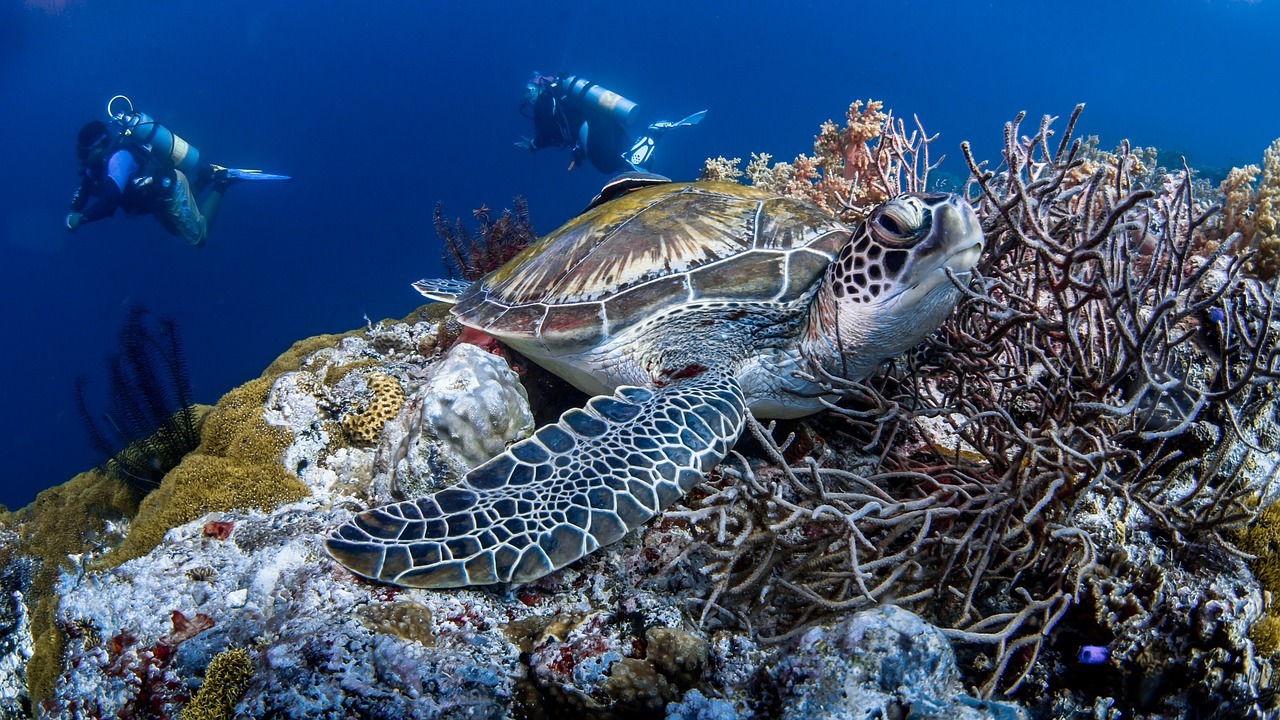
(576, 113)
(126, 177)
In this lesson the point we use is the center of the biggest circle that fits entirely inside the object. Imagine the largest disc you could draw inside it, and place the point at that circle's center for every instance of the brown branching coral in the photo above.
(1250, 218)
(1099, 359)
(470, 256)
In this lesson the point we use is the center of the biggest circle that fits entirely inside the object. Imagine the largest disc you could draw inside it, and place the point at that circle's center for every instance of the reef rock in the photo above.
(470, 409)
(882, 663)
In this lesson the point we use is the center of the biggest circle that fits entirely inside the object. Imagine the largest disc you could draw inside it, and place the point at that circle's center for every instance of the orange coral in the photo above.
(1251, 215)
(852, 169)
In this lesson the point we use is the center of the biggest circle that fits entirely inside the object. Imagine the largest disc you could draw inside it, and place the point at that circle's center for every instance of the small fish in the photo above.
(1093, 654)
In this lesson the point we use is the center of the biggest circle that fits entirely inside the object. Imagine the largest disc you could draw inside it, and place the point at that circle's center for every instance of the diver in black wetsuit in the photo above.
(139, 166)
(576, 113)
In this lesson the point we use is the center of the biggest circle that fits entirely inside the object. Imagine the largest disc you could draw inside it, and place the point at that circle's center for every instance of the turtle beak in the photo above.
(956, 221)
(957, 245)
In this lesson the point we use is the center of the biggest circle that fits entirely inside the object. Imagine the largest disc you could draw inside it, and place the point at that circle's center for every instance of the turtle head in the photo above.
(889, 288)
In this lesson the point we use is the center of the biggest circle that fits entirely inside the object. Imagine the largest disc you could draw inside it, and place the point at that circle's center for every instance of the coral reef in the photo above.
(878, 663)
(246, 598)
(852, 169)
(1261, 539)
(365, 424)
(471, 257)
(70, 521)
(1250, 219)
(1108, 386)
(236, 467)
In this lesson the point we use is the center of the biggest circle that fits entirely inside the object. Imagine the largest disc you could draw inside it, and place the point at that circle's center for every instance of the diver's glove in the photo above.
(526, 144)
(74, 220)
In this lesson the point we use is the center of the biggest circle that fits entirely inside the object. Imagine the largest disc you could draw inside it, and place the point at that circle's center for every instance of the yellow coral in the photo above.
(1265, 635)
(60, 523)
(1262, 540)
(388, 396)
(721, 169)
(236, 467)
(290, 359)
(225, 681)
(1267, 216)
(1254, 213)
(1237, 201)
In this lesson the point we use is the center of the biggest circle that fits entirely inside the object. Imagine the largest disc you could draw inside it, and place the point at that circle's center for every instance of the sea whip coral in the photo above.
(1096, 352)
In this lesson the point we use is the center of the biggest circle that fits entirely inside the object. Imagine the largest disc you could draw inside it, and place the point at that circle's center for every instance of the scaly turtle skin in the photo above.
(681, 306)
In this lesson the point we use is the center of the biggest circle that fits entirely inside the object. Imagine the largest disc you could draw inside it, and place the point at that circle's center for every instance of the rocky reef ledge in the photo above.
(214, 599)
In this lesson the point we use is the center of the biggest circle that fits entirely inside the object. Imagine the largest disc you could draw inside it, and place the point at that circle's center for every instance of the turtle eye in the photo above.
(889, 224)
(899, 222)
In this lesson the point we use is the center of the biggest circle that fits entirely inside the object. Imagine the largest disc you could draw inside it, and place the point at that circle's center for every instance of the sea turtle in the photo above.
(680, 307)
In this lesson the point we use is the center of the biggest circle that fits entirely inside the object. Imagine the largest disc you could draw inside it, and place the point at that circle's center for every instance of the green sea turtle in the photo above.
(681, 307)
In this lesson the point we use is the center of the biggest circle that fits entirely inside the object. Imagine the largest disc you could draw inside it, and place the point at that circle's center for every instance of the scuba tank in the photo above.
(589, 95)
(158, 140)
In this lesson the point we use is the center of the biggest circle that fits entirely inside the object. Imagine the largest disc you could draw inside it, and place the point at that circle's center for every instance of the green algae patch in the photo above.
(236, 467)
(225, 681)
(62, 521)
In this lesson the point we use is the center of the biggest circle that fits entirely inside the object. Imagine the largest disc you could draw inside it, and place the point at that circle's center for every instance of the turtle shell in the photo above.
(653, 251)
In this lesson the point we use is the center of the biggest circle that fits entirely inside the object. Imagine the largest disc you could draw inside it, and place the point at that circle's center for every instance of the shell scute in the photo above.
(757, 276)
(642, 302)
(784, 223)
(651, 251)
(568, 325)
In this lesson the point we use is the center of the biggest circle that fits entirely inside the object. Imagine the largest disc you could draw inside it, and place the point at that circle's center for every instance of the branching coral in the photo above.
(853, 168)
(1096, 359)
(471, 257)
(1250, 219)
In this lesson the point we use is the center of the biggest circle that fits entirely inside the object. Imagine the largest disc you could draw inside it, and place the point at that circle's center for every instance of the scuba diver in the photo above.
(141, 167)
(574, 112)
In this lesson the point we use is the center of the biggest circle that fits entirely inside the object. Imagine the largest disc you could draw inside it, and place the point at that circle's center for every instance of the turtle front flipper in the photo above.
(575, 485)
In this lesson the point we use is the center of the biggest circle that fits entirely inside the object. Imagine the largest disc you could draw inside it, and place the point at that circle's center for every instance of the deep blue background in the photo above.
(380, 109)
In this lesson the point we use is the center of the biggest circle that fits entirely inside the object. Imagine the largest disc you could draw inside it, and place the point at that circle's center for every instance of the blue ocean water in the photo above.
(382, 109)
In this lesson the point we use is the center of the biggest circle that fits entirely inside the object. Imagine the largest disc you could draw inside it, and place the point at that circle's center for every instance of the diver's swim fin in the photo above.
(228, 176)
(693, 119)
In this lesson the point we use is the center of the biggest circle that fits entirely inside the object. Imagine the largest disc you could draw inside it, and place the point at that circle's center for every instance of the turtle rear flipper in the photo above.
(575, 485)
(442, 290)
